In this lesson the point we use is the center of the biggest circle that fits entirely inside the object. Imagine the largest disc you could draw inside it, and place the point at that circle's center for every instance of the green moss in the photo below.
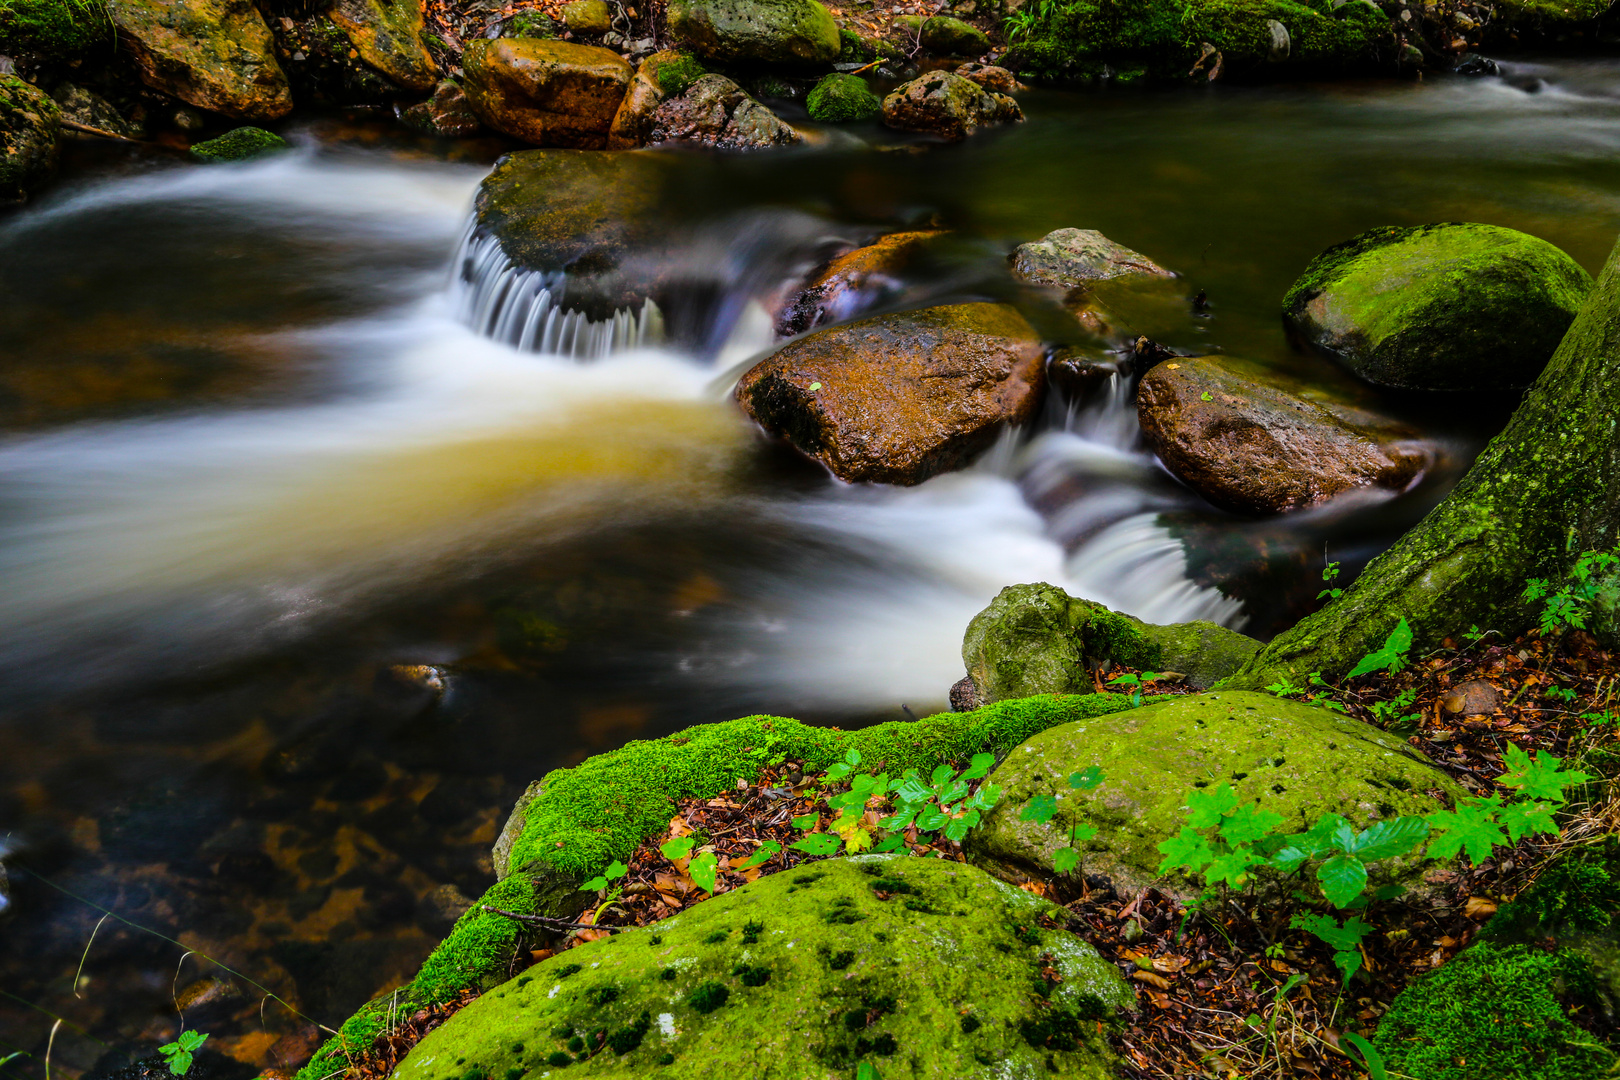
(839, 99)
(238, 145)
(674, 76)
(29, 129)
(1502, 1011)
(479, 944)
(531, 24)
(1579, 894)
(55, 29)
(792, 32)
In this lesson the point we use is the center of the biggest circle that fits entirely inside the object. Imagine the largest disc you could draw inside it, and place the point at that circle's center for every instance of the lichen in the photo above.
(839, 99)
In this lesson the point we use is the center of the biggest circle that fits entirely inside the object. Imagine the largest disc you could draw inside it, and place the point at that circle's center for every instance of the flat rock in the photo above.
(388, 36)
(874, 959)
(587, 16)
(1075, 258)
(854, 282)
(1298, 760)
(1451, 306)
(716, 112)
(30, 131)
(899, 398)
(945, 104)
(1250, 440)
(215, 54)
(549, 93)
(756, 31)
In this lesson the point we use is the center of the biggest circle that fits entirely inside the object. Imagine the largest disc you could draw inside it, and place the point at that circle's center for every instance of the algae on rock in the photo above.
(869, 958)
(30, 131)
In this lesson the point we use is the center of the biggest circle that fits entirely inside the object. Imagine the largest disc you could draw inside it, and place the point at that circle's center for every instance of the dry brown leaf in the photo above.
(1479, 907)
(1151, 979)
(1170, 964)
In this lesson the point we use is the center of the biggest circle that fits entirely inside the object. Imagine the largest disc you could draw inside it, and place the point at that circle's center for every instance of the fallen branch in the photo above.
(545, 922)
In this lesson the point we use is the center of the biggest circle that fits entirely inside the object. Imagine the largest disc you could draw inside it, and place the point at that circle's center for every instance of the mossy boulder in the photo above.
(756, 31)
(1076, 258)
(944, 103)
(57, 30)
(239, 145)
(716, 112)
(30, 132)
(924, 966)
(1037, 639)
(840, 99)
(1298, 760)
(944, 35)
(661, 76)
(388, 36)
(1452, 306)
(445, 113)
(215, 54)
(548, 93)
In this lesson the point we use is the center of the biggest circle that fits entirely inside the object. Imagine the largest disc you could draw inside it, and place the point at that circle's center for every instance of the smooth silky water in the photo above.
(273, 429)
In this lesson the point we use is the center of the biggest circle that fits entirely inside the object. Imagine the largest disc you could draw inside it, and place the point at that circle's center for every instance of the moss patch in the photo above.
(838, 99)
(55, 29)
(238, 145)
(674, 75)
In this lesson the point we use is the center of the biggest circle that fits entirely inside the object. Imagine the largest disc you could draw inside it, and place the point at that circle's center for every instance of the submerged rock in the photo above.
(944, 35)
(756, 31)
(659, 77)
(239, 145)
(215, 54)
(872, 958)
(1451, 306)
(388, 36)
(1074, 258)
(1297, 760)
(716, 112)
(854, 282)
(446, 113)
(899, 398)
(839, 99)
(1253, 441)
(1037, 639)
(945, 104)
(549, 93)
(30, 131)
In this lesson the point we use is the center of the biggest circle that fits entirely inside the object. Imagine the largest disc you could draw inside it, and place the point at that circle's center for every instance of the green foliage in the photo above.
(1136, 683)
(1372, 1062)
(1580, 893)
(178, 1053)
(1043, 808)
(1568, 607)
(945, 803)
(1330, 574)
(1393, 712)
(1390, 658)
(1479, 825)
(56, 29)
(1343, 938)
(614, 872)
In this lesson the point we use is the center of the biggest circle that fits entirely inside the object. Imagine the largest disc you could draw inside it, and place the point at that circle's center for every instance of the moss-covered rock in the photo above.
(716, 112)
(943, 103)
(661, 76)
(839, 99)
(215, 54)
(238, 145)
(29, 135)
(923, 966)
(944, 35)
(1076, 258)
(1451, 306)
(756, 31)
(1299, 760)
(55, 29)
(388, 36)
(587, 16)
(1037, 639)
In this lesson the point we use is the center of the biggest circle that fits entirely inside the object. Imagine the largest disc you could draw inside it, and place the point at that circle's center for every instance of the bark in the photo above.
(1546, 489)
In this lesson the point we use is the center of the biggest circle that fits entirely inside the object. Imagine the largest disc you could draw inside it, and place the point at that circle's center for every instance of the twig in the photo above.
(88, 130)
(549, 923)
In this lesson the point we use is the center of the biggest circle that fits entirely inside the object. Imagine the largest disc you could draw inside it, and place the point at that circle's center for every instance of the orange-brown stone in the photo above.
(549, 93)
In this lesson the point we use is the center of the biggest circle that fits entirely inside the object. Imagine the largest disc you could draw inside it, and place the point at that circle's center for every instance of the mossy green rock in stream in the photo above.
(756, 31)
(238, 145)
(839, 99)
(1298, 760)
(55, 29)
(1522, 1003)
(1036, 639)
(215, 54)
(1451, 306)
(944, 35)
(923, 967)
(388, 35)
(30, 130)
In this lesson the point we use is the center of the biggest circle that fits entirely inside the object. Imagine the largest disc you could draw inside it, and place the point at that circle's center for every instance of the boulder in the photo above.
(854, 282)
(238, 145)
(587, 17)
(388, 36)
(1451, 306)
(714, 111)
(922, 966)
(944, 35)
(1299, 760)
(839, 99)
(661, 76)
(446, 113)
(29, 138)
(995, 79)
(1076, 258)
(1037, 639)
(945, 104)
(324, 67)
(899, 398)
(756, 31)
(89, 108)
(215, 54)
(1256, 442)
(550, 93)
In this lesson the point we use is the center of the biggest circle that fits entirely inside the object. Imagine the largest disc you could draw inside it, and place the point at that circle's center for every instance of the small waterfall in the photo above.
(521, 308)
(1109, 417)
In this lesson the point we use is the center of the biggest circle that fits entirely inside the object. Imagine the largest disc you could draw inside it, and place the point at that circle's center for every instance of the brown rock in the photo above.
(30, 138)
(1476, 697)
(995, 79)
(1250, 440)
(388, 36)
(714, 111)
(550, 93)
(945, 104)
(900, 398)
(1075, 258)
(446, 113)
(634, 118)
(587, 16)
(1078, 373)
(215, 54)
(854, 282)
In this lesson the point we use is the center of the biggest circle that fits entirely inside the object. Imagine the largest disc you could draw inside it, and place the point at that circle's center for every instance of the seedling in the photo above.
(1042, 808)
(178, 1053)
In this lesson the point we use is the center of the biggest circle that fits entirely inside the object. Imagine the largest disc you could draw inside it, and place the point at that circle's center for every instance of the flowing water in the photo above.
(322, 531)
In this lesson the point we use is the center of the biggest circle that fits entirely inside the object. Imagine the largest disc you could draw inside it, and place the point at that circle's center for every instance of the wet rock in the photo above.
(1295, 759)
(30, 130)
(964, 696)
(839, 99)
(587, 17)
(1078, 372)
(1476, 66)
(756, 31)
(215, 54)
(1037, 639)
(995, 79)
(1476, 697)
(945, 104)
(860, 959)
(447, 113)
(899, 398)
(92, 110)
(944, 35)
(443, 906)
(1074, 258)
(1256, 442)
(1451, 306)
(659, 77)
(239, 145)
(209, 1000)
(716, 112)
(549, 93)
(388, 36)
(854, 282)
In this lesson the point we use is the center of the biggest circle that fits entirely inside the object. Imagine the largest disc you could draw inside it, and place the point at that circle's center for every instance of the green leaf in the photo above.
(614, 872)
(863, 1071)
(1470, 827)
(952, 791)
(852, 757)
(703, 868)
(1081, 833)
(806, 821)
(1205, 808)
(957, 828)
(1388, 839)
(940, 774)
(1233, 867)
(913, 790)
(892, 843)
(681, 847)
(1342, 877)
(817, 844)
(1543, 778)
(932, 819)
(1065, 859)
(979, 766)
(1040, 809)
(1088, 778)
(1391, 657)
(1372, 1061)
(898, 822)
(760, 857)
(596, 884)
(986, 797)
(180, 1063)
(191, 1040)
(1187, 848)
(1523, 818)
(1249, 823)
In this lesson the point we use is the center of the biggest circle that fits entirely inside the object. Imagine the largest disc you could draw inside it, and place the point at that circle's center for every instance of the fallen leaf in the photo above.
(1170, 964)
(1151, 979)
(1479, 907)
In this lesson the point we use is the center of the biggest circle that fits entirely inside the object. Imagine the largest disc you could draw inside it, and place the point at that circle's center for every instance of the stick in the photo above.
(88, 130)
(549, 923)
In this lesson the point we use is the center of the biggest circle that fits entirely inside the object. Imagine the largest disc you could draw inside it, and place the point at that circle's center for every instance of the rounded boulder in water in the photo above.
(1451, 306)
